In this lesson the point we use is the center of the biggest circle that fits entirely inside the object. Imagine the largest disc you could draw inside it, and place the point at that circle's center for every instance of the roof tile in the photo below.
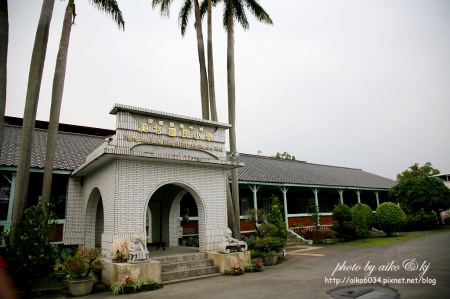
(71, 148)
(270, 170)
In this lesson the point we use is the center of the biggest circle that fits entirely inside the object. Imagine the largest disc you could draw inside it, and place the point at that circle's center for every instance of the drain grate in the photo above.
(369, 291)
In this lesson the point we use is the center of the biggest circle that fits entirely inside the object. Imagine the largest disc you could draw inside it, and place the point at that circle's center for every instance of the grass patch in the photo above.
(383, 240)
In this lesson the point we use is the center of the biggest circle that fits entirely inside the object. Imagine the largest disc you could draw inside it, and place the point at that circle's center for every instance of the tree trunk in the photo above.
(29, 115)
(201, 58)
(212, 92)
(57, 96)
(4, 36)
(230, 210)
(232, 117)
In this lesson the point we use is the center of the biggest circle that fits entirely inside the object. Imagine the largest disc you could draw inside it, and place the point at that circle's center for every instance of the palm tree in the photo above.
(107, 6)
(206, 7)
(234, 9)
(183, 18)
(211, 85)
(4, 36)
(29, 115)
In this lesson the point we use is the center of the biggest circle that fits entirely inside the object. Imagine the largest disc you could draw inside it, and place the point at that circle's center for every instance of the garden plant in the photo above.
(390, 218)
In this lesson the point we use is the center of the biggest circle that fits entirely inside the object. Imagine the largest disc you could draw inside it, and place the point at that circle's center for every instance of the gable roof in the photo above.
(289, 172)
(71, 148)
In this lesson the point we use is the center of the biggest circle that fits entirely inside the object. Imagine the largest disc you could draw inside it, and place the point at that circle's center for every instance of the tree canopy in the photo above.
(362, 218)
(416, 172)
(390, 218)
(284, 156)
(428, 194)
(418, 190)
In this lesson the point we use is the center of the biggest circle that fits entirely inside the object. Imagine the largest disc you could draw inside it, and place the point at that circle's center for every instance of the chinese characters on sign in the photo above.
(155, 141)
(170, 129)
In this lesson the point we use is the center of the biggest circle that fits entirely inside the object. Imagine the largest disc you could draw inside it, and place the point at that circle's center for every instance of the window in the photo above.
(5, 191)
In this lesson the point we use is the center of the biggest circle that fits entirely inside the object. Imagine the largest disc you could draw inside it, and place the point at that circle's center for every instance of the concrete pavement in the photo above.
(417, 268)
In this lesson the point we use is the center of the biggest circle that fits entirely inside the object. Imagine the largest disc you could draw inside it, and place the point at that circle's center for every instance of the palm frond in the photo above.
(258, 11)
(227, 8)
(183, 16)
(204, 6)
(164, 6)
(239, 13)
(110, 7)
(238, 9)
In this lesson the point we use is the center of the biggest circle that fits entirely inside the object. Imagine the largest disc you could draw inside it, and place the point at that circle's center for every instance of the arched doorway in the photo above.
(94, 224)
(165, 210)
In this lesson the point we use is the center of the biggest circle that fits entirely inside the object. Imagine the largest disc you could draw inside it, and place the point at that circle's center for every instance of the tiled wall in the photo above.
(126, 186)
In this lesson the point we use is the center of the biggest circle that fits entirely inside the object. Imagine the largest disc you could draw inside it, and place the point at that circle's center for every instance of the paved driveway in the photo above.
(416, 268)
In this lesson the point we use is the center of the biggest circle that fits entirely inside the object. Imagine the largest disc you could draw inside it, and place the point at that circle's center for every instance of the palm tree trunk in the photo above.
(212, 92)
(230, 210)
(232, 118)
(57, 96)
(29, 115)
(201, 58)
(4, 36)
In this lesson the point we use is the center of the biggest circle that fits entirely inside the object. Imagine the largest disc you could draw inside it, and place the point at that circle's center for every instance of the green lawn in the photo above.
(382, 240)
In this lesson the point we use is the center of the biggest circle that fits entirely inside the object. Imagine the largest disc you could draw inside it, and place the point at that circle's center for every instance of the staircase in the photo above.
(294, 242)
(185, 267)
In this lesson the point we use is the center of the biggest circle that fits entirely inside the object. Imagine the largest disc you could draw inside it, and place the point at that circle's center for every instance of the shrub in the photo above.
(272, 236)
(421, 221)
(256, 253)
(318, 235)
(362, 218)
(366, 211)
(347, 231)
(268, 243)
(390, 217)
(84, 264)
(342, 213)
(315, 213)
(275, 217)
(32, 255)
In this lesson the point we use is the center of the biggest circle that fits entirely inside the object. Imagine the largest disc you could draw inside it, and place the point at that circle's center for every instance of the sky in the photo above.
(359, 84)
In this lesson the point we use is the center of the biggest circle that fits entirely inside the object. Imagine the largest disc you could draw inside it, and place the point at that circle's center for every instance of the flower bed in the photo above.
(130, 285)
(236, 269)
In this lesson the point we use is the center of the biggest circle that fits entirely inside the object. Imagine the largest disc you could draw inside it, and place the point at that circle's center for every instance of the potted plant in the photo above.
(270, 237)
(270, 258)
(236, 269)
(249, 267)
(80, 270)
(258, 264)
(119, 250)
(127, 285)
(268, 244)
(148, 285)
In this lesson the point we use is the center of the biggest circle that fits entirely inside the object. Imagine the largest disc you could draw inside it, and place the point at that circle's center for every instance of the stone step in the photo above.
(182, 258)
(186, 265)
(189, 274)
(179, 268)
(294, 239)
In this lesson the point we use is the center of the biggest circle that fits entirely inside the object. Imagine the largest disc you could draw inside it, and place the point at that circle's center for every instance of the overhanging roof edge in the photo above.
(313, 186)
